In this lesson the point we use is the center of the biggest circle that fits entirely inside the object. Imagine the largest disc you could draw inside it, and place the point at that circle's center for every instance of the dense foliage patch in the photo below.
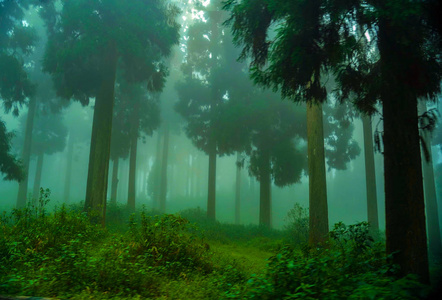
(60, 254)
(349, 266)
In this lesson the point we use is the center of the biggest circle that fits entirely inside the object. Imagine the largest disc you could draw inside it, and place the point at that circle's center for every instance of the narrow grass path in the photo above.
(250, 259)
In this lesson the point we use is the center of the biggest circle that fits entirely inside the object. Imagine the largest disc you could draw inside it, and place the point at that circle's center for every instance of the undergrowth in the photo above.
(187, 256)
(349, 266)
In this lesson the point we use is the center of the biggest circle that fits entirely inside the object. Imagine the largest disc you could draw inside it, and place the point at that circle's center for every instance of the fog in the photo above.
(187, 167)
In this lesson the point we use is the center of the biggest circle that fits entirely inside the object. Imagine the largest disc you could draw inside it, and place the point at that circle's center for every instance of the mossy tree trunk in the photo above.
(114, 183)
(26, 154)
(133, 157)
(67, 181)
(96, 190)
(318, 209)
(163, 179)
(265, 200)
(37, 179)
(157, 174)
(211, 194)
(238, 190)
(370, 175)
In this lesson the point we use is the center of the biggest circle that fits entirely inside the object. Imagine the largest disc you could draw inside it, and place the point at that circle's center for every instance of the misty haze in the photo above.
(220, 149)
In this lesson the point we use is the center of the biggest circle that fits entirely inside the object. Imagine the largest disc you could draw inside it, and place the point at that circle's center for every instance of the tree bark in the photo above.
(188, 178)
(211, 195)
(96, 190)
(157, 175)
(404, 197)
(318, 210)
(370, 175)
(26, 154)
(133, 158)
(265, 206)
(37, 179)
(67, 181)
(163, 179)
(114, 186)
(238, 190)
(431, 209)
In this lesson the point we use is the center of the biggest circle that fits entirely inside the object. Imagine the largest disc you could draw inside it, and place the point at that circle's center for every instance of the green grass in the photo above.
(186, 256)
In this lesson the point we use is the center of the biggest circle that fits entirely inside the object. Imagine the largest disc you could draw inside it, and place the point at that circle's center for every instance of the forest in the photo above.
(220, 149)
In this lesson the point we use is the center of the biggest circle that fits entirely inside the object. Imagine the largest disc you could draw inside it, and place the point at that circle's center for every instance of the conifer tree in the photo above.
(89, 40)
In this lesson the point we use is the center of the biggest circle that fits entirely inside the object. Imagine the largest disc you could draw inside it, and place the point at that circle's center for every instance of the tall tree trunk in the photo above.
(431, 209)
(238, 190)
(133, 158)
(37, 179)
(163, 179)
(404, 197)
(211, 195)
(96, 190)
(114, 186)
(265, 206)
(318, 210)
(67, 181)
(158, 162)
(188, 181)
(26, 154)
(370, 176)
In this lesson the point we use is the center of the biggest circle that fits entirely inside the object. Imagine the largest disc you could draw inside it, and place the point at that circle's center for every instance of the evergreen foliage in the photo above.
(17, 40)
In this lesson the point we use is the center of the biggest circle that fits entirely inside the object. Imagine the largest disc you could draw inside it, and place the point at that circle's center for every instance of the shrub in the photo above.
(351, 266)
(297, 225)
(169, 241)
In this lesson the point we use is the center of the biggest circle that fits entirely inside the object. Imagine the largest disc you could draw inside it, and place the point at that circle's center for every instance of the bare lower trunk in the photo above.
(238, 190)
(26, 154)
(37, 179)
(431, 209)
(265, 207)
(96, 190)
(133, 159)
(370, 176)
(318, 210)
(67, 182)
(114, 186)
(163, 179)
(406, 238)
(211, 195)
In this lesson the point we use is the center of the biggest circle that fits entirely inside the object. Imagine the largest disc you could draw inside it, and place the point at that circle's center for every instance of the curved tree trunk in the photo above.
(318, 210)
(163, 179)
(370, 175)
(211, 195)
(26, 154)
(404, 197)
(238, 190)
(96, 190)
(265, 200)
(37, 179)
(431, 209)
(67, 182)
(133, 158)
(114, 186)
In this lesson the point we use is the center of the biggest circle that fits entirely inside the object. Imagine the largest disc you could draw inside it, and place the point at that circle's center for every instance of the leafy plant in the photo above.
(297, 225)
(351, 266)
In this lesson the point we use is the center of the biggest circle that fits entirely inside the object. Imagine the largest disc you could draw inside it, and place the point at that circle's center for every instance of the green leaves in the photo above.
(9, 165)
(354, 268)
(143, 32)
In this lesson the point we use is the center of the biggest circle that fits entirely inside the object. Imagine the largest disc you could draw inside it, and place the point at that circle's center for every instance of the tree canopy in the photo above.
(17, 40)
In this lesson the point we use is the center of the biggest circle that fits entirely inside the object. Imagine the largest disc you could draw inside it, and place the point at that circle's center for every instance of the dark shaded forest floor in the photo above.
(59, 254)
